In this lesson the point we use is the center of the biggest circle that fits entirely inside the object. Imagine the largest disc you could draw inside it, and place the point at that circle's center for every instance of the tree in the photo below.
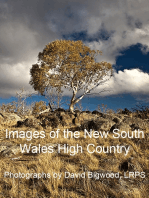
(68, 64)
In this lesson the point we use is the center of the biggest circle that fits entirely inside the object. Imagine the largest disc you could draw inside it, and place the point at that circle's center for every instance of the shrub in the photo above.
(38, 107)
(51, 120)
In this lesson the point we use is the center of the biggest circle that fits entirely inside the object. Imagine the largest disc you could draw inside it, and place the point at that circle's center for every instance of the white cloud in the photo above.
(26, 27)
(13, 78)
(132, 81)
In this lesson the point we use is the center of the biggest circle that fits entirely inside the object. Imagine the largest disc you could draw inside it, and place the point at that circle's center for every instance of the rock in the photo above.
(61, 113)
(117, 120)
(130, 165)
(97, 113)
(7, 149)
(138, 122)
(121, 127)
(92, 124)
(51, 120)
(85, 116)
(14, 150)
(121, 116)
(106, 126)
(76, 122)
(108, 116)
(134, 126)
(9, 118)
(20, 123)
(60, 110)
(29, 122)
(77, 113)
(87, 112)
(72, 116)
(66, 120)
(124, 166)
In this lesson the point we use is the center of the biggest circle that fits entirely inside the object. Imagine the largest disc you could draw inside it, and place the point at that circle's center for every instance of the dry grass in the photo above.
(81, 162)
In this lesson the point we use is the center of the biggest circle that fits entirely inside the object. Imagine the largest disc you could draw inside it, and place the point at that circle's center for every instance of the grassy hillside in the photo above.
(130, 167)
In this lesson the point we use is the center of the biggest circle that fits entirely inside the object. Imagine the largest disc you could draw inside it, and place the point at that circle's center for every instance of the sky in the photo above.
(119, 28)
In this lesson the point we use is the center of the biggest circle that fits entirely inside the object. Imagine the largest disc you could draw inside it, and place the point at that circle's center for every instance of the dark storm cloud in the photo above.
(27, 26)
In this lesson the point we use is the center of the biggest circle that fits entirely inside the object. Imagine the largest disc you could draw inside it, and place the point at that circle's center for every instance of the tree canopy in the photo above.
(68, 64)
